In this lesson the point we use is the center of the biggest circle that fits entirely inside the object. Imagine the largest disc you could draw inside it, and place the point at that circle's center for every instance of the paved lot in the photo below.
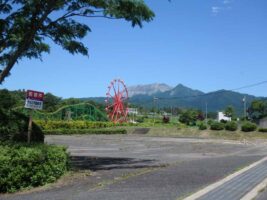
(138, 167)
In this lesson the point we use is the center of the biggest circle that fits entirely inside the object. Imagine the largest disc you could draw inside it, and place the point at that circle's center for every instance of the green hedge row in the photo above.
(14, 127)
(217, 126)
(84, 131)
(263, 130)
(248, 127)
(51, 125)
(232, 126)
(23, 166)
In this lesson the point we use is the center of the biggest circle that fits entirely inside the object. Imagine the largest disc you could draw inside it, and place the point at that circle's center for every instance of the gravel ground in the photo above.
(139, 167)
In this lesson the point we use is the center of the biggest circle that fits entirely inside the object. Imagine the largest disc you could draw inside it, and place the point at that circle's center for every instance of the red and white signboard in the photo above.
(34, 100)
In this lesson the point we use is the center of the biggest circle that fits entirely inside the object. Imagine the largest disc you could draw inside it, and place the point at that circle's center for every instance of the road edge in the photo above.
(224, 180)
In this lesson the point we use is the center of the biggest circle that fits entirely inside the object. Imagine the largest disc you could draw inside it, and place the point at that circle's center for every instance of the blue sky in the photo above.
(206, 45)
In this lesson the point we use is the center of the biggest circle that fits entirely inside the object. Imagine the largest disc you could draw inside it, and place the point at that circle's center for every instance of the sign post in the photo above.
(34, 101)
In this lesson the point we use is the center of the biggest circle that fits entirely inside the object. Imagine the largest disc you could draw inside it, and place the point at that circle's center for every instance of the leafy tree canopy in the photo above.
(26, 25)
(258, 109)
(7, 101)
(229, 111)
(190, 117)
(51, 102)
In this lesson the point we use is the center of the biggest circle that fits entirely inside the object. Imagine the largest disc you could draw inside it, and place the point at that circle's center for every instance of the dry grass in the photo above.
(195, 133)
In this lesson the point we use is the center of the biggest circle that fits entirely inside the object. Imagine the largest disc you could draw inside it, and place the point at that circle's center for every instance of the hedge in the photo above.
(264, 130)
(217, 126)
(231, 126)
(202, 126)
(84, 131)
(23, 166)
(51, 125)
(14, 127)
(248, 127)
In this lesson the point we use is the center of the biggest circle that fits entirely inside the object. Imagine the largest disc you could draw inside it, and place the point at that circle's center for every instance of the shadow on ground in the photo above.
(108, 163)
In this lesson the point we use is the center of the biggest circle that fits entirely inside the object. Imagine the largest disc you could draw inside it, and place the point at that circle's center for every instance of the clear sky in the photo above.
(203, 44)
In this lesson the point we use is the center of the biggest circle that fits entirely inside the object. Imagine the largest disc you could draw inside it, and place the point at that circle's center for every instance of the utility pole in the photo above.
(206, 117)
(245, 108)
(154, 101)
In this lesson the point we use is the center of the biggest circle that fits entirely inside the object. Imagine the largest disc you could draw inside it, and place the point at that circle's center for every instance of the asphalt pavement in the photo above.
(140, 167)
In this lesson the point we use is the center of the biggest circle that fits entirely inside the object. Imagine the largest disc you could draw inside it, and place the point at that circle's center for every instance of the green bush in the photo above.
(51, 125)
(23, 166)
(231, 126)
(140, 119)
(216, 126)
(84, 131)
(264, 130)
(210, 122)
(248, 127)
(202, 126)
(165, 119)
(14, 127)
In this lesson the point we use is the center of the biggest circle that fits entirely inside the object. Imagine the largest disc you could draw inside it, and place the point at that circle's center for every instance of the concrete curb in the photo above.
(220, 182)
(255, 191)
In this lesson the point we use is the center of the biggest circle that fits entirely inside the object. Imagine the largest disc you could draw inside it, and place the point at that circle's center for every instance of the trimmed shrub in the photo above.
(84, 131)
(264, 130)
(165, 119)
(23, 166)
(202, 126)
(248, 127)
(51, 125)
(210, 122)
(231, 126)
(14, 127)
(217, 126)
(140, 119)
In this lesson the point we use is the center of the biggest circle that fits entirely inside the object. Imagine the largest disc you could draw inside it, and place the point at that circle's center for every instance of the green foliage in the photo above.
(23, 166)
(263, 130)
(26, 25)
(248, 127)
(229, 111)
(51, 102)
(202, 126)
(166, 119)
(51, 125)
(217, 126)
(231, 126)
(107, 131)
(190, 117)
(14, 127)
(7, 101)
(258, 109)
(140, 119)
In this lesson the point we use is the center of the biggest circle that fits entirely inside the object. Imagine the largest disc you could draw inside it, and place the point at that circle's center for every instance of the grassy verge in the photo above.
(26, 166)
(196, 133)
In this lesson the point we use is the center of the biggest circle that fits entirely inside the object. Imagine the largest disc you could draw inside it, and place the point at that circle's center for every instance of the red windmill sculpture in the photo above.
(116, 101)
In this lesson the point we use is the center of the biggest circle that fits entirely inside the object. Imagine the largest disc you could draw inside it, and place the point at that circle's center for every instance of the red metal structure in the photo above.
(116, 101)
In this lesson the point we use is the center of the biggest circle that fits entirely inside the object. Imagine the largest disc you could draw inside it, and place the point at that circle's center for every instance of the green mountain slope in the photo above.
(185, 97)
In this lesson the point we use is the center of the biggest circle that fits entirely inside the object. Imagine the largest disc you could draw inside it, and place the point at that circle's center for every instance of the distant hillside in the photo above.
(185, 97)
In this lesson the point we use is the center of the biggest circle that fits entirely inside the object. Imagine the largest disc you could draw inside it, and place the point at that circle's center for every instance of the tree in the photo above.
(229, 111)
(190, 117)
(258, 109)
(26, 26)
(7, 101)
(51, 102)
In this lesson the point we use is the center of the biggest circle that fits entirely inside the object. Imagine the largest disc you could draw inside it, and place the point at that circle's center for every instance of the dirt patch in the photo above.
(141, 130)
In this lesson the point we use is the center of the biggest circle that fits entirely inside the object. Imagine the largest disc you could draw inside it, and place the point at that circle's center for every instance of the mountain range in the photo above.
(161, 95)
